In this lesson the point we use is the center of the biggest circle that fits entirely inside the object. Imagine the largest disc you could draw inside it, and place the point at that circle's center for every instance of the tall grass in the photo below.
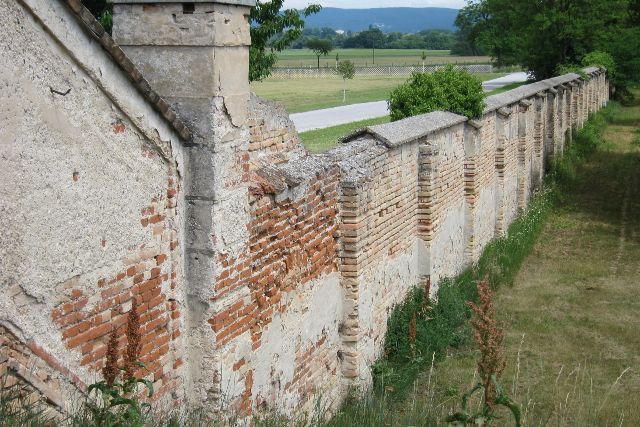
(20, 406)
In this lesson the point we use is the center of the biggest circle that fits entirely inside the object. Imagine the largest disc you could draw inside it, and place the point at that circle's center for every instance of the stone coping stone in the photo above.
(495, 102)
(409, 129)
(250, 3)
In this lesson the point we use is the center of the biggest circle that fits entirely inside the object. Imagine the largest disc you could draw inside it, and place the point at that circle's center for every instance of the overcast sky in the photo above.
(365, 4)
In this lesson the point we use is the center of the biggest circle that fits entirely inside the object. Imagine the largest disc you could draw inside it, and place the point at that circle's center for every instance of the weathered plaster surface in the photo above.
(78, 169)
(265, 275)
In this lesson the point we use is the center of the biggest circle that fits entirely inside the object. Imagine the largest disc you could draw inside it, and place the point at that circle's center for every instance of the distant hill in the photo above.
(388, 19)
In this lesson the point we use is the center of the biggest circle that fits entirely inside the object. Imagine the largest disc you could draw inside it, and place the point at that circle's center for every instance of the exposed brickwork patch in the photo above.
(148, 274)
(313, 365)
(291, 243)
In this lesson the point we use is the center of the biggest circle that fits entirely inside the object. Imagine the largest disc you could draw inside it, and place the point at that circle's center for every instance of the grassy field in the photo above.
(571, 315)
(305, 57)
(313, 94)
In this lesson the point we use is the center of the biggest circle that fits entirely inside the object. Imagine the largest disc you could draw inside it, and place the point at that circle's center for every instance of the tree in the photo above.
(374, 37)
(102, 11)
(469, 22)
(369, 39)
(347, 71)
(320, 47)
(448, 89)
(540, 35)
(273, 30)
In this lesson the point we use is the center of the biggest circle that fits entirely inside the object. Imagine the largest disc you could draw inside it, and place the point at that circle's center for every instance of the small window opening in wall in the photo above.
(188, 8)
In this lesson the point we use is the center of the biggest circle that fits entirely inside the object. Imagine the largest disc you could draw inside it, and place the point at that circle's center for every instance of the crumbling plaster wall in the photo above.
(90, 210)
(273, 137)
(265, 275)
(417, 201)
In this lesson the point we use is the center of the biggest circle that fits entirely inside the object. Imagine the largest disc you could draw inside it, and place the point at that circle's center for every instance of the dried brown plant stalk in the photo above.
(110, 370)
(412, 334)
(489, 336)
(132, 351)
(426, 287)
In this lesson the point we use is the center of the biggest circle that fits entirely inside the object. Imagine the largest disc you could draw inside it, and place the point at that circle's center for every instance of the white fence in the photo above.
(381, 70)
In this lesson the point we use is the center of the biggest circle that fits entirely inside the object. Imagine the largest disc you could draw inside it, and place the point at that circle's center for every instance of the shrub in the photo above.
(448, 89)
(600, 59)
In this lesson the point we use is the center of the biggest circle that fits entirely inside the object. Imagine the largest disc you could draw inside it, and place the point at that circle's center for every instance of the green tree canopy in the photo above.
(320, 47)
(540, 35)
(273, 30)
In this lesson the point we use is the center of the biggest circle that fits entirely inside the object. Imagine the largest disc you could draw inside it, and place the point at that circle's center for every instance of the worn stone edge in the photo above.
(496, 102)
(442, 120)
(94, 28)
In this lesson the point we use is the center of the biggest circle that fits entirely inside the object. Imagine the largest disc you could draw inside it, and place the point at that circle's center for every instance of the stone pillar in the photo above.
(472, 151)
(427, 199)
(574, 109)
(585, 101)
(552, 128)
(524, 154)
(539, 135)
(196, 56)
(567, 115)
(353, 230)
(502, 140)
(593, 83)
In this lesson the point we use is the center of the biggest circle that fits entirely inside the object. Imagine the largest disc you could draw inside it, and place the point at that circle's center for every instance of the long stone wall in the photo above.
(264, 275)
(417, 200)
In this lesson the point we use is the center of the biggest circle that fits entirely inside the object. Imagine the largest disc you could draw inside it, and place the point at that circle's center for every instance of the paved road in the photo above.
(320, 119)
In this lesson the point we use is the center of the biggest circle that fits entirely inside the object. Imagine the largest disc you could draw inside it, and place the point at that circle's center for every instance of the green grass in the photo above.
(314, 94)
(324, 139)
(305, 57)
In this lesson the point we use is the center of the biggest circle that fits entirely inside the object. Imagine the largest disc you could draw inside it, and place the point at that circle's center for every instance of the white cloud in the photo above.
(365, 4)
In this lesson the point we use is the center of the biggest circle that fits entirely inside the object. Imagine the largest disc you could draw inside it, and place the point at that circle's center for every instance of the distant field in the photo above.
(363, 57)
(314, 94)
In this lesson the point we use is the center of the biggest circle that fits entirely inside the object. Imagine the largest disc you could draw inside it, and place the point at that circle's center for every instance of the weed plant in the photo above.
(19, 406)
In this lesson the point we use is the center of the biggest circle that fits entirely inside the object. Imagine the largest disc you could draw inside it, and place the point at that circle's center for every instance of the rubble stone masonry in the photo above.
(264, 275)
